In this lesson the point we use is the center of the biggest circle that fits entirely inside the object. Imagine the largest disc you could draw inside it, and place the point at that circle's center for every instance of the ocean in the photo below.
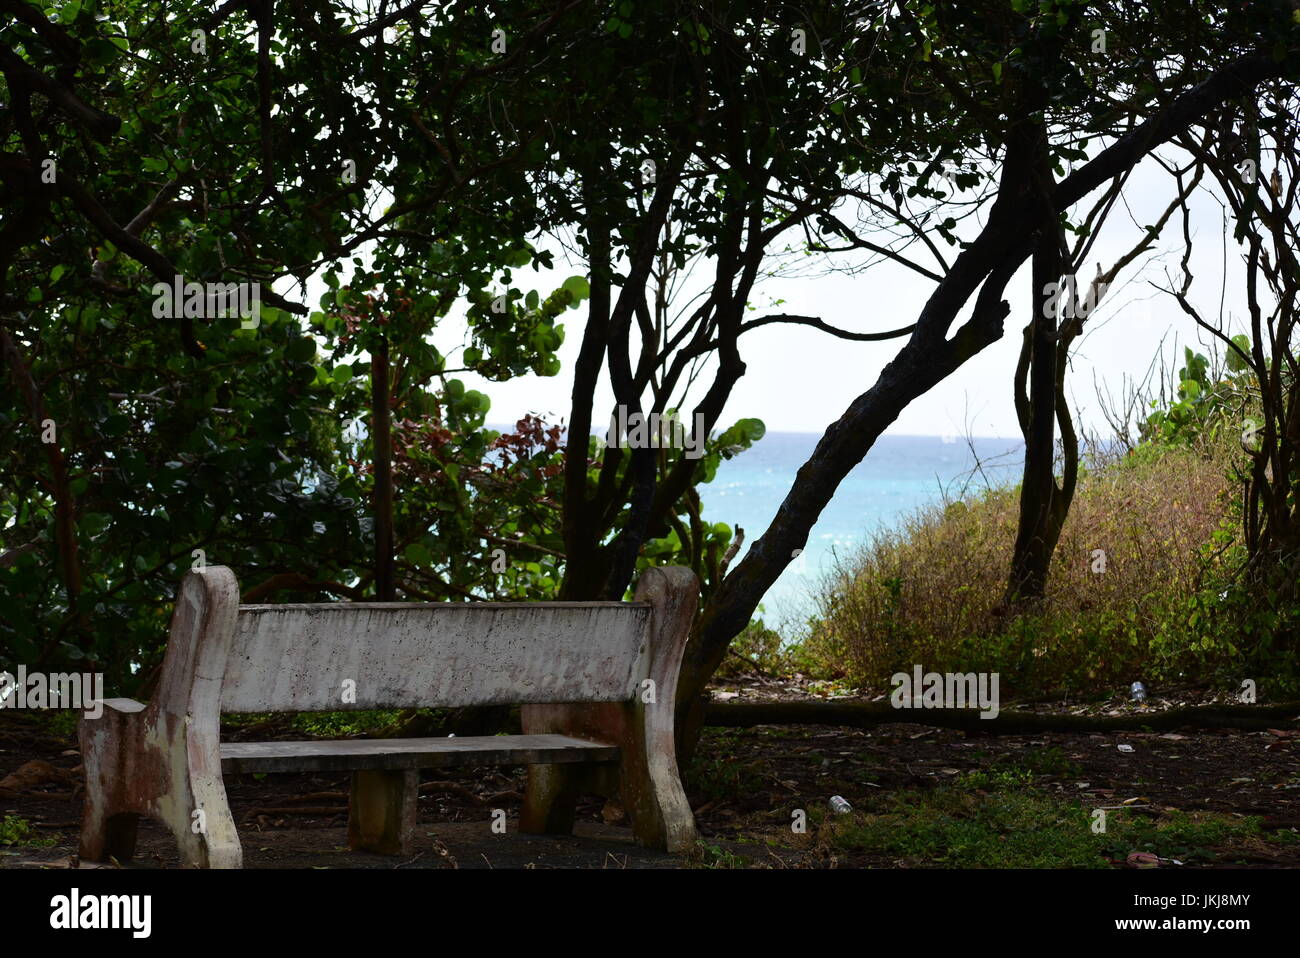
(899, 475)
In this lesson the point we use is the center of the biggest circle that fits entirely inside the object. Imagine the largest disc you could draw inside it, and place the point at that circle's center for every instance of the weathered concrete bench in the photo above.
(596, 682)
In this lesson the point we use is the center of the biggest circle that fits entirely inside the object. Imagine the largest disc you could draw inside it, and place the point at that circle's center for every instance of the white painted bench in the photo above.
(596, 682)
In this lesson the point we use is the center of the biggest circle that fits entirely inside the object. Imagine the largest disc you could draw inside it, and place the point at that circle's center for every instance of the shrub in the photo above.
(758, 646)
(930, 592)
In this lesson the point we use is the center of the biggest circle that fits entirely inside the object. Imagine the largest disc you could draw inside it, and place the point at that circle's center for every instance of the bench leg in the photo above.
(381, 811)
(108, 820)
(139, 763)
(648, 782)
(164, 760)
(105, 834)
(550, 800)
(203, 825)
(645, 777)
(651, 790)
(651, 784)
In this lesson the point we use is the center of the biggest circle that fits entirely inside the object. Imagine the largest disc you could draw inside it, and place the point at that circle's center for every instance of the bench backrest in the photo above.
(303, 658)
(224, 657)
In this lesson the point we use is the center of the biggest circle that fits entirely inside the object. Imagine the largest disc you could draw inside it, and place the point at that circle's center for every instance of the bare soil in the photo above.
(744, 786)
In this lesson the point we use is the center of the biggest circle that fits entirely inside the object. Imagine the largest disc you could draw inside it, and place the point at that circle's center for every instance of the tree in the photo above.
(1249, 149)
(190, 145)
(1240, 52)
(1060, 311)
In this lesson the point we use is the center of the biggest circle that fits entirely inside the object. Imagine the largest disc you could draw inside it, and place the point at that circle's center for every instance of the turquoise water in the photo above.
(899, 475)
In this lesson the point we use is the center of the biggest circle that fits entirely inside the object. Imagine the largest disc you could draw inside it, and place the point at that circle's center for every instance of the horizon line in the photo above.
(797, 432)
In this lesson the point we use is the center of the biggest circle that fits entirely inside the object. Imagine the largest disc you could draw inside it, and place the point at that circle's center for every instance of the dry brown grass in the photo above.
(931, 591)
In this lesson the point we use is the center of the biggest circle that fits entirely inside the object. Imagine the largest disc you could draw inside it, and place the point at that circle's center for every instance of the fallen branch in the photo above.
(317, 796)
(869, 714)
(451, 788)
(296, 810)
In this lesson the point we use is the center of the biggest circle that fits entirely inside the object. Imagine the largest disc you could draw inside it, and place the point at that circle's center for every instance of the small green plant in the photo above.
(1049, 762)
(1204, 404)
(61, 723)
(341, 724)
(1022, 828)
(1034, 765)
(995, 779)
(705, 855)
(721, 776)
(18, 831)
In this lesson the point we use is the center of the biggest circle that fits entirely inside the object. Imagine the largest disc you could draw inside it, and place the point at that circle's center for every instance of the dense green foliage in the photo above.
(431, 161)
(135, 447)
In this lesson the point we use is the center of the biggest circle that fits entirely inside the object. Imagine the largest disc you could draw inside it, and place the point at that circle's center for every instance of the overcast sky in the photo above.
(800, 380)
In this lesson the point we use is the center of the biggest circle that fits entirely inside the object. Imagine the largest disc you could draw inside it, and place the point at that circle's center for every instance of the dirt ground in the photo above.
(746, 786)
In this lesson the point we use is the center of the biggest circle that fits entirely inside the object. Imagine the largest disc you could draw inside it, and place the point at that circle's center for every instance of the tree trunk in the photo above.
(986, 265)
(65, 526)
(1010, 722)
(1041, 503)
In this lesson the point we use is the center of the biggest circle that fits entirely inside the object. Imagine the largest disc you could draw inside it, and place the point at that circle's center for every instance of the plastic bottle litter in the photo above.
(1138, 692)
(839, 805)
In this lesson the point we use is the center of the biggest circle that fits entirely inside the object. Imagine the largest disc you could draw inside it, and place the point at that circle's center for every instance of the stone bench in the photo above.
(595, 681)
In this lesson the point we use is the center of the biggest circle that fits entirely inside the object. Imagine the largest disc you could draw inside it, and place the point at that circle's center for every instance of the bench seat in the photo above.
(388, 753)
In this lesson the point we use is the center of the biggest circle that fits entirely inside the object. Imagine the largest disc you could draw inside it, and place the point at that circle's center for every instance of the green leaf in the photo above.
(1235, 362)
(752, 429)
(418, 554)
(300, 349)
(101, 51)
(578, 287)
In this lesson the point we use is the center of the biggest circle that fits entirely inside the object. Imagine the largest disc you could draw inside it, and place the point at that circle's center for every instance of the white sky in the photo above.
(800, 379)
